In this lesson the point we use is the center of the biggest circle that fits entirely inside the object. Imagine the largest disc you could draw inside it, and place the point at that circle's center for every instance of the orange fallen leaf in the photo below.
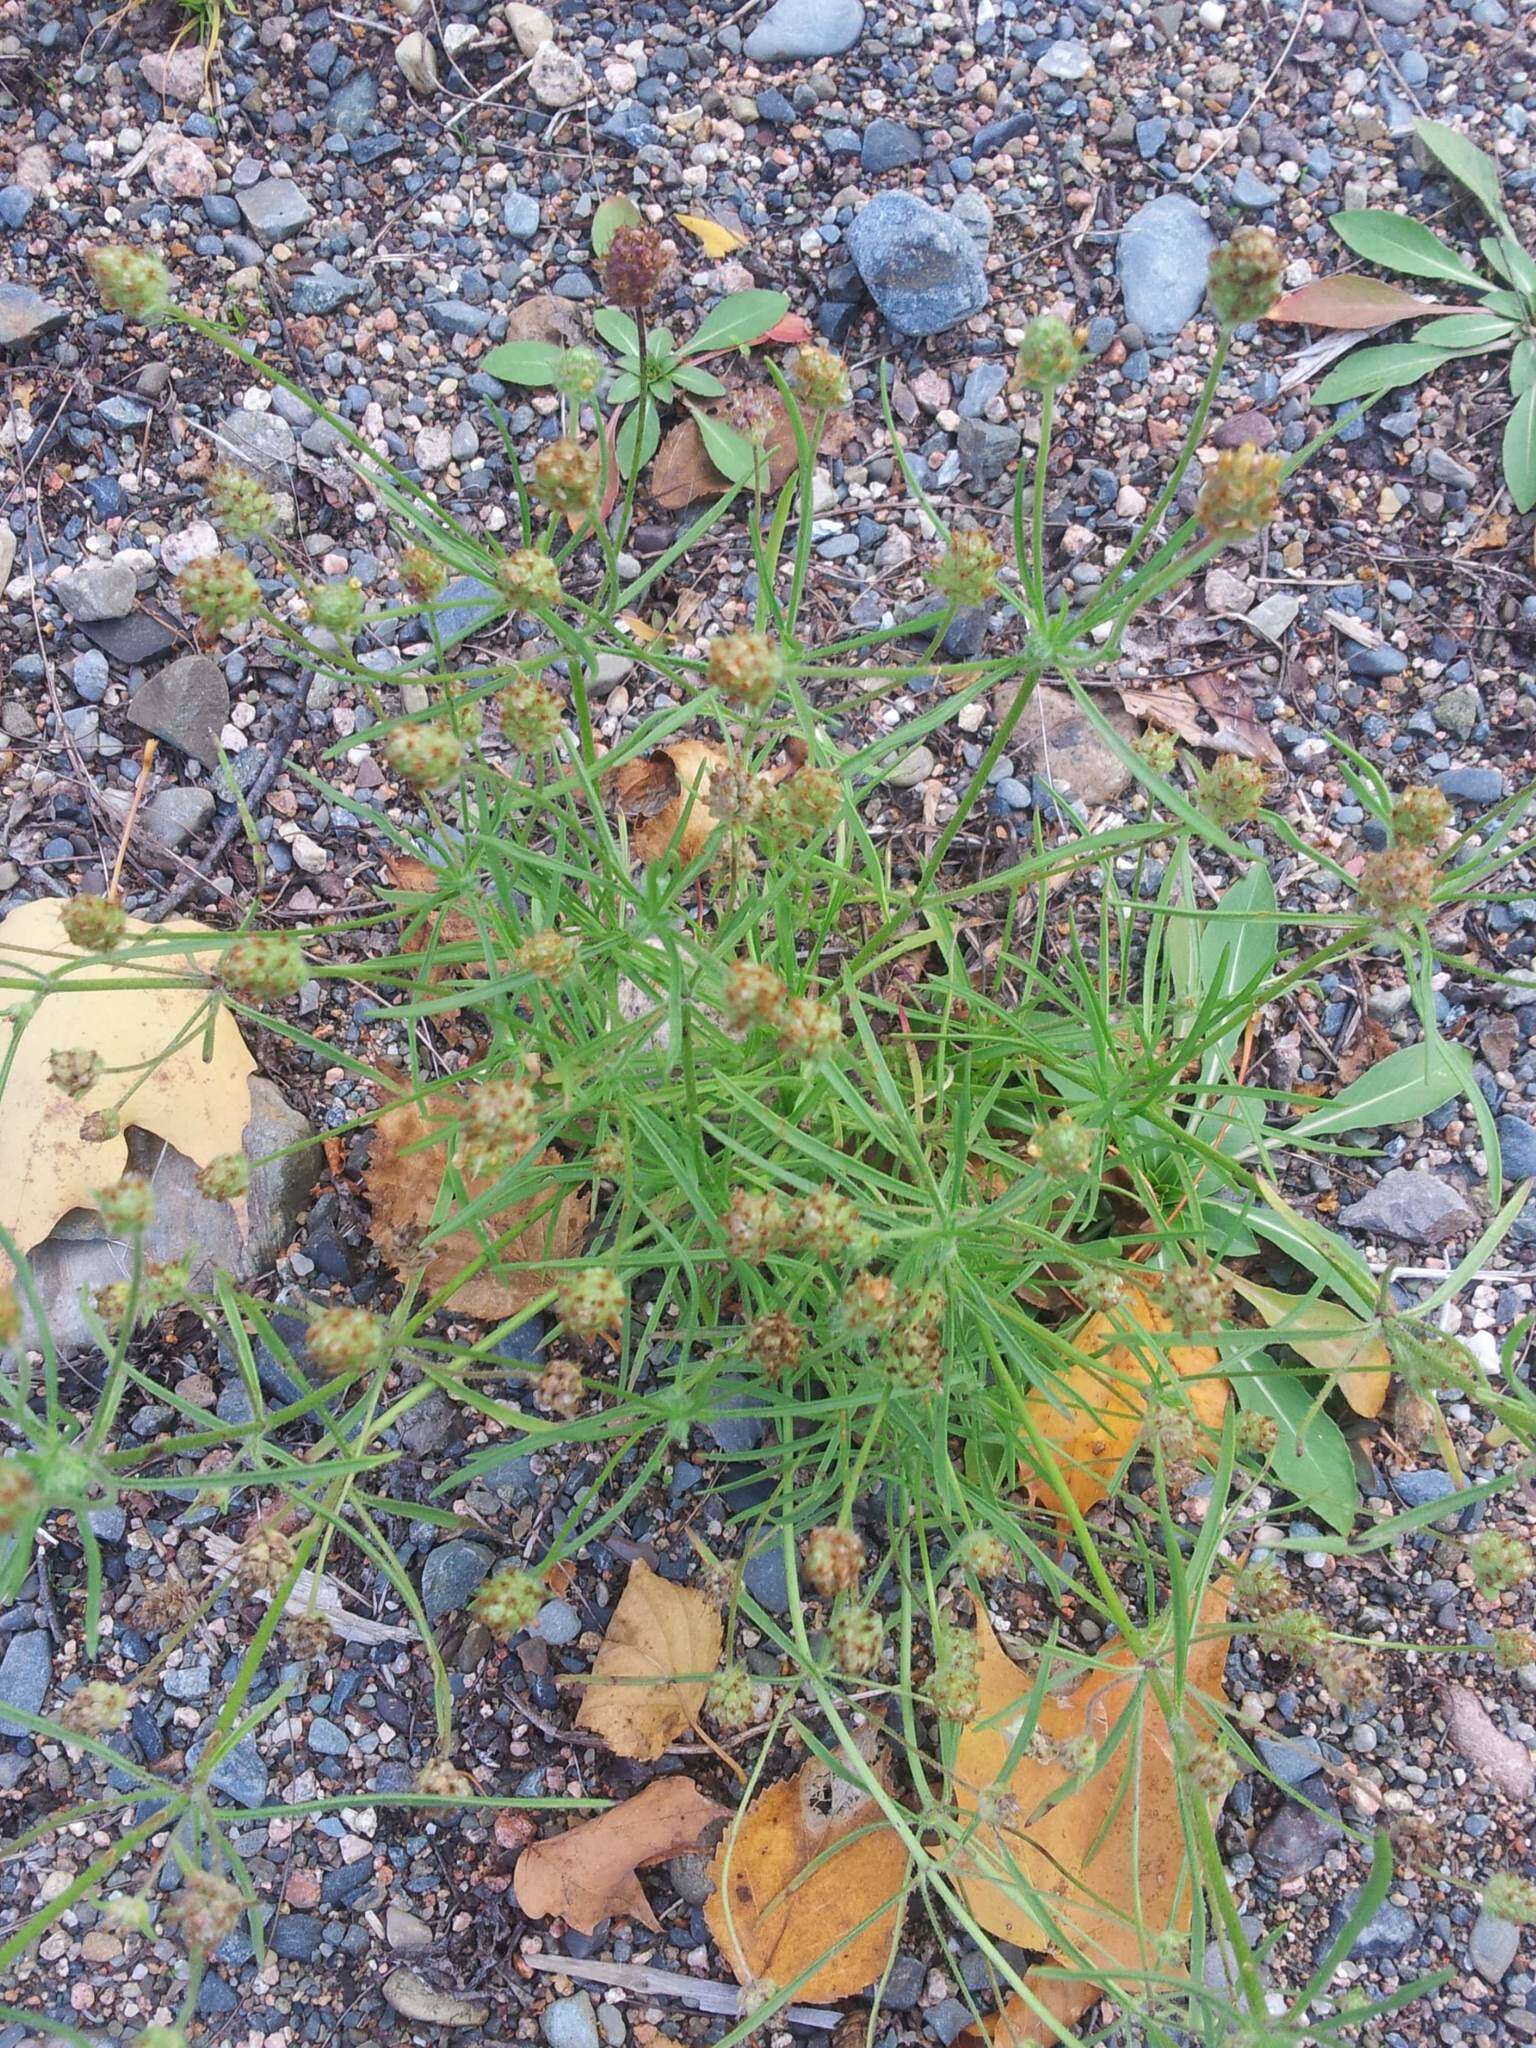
(1103, 1869)
(1351, 302)
(1092, 1414)
(654, 1667)
(1018, 2025)
(806, 1865)
(402, 1183)
(589, 1871)
(655, 791)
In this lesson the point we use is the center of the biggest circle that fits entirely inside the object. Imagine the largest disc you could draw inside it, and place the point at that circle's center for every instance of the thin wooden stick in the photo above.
(141, 783)
(651, 1982)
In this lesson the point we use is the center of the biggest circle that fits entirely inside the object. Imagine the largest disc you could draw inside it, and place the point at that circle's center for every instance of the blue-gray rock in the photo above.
(350, 106)
(187, 1682)
(1290, 1759)
(998, 134)
(261, 442)
(15, 205)
(1151, 134)
(1298, 1838)
(25, 1671)
(557, 1622)
(1417, 1489)
(983, 384)
(341, 1886)
(454, 317)
(1517, 1143)
(1163, 258)
(520, 216)
(1250, 192)
(451, 1574)
(764, 1578)
(805, 28)
(1472, 785)
(465, 607)
(888, 146)
(274, 209)
(322, 290)
(904, 1986)
(1492, 1946)
(1411, 1206)
(1067, 60)
(101, 590)
(737, 1423)
(240, 1775)
(922, 268)
(630, 125)
(1398, 12)
(570, 2023)
(26, 316)
(296, 1936)
(986, 449)
(326, 1739)
(1387, 1933)
(1373, 664)
(186, 704)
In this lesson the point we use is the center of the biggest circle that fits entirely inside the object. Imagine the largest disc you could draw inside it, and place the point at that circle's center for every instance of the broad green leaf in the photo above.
(1181, 935)
(1522, 369)
(1411, 1083)
(650, 441)
(1520, 451)
(1505, 255)
(742, 318)
(1398, 243)
(1311, 1456)
(1238, 947)
(1510, 304)
(1375, 370)
(1467, 164)
(1351, 303)
(525, 362)
(702, 383)
(623, 388)
(1333, 1340)
(731, 452)
(1467, 330)
(617, 329)
(613, 214)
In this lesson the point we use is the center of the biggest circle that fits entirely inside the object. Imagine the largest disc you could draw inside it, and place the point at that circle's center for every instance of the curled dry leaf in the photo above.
(1093, 1413)
(654, 1667)
(1102, 1869)
(589, 1872)
(713, 236)
(804, 1867)
(1354, 303)
(185, 1061)
(1018, 2025)
(402, 1184)
(656, 792)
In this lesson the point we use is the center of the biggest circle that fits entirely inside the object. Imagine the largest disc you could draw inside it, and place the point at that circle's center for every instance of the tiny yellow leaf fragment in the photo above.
(714, 236)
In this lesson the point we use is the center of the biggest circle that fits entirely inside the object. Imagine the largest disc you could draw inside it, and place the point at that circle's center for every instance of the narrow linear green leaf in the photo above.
(1519, 451)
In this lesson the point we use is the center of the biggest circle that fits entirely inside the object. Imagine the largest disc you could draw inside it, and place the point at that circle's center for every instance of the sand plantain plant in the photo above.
(948, 1188)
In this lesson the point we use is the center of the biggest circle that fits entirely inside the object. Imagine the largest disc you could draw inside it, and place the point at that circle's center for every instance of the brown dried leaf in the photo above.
(657, 790)
(1018, 2025)
(805, 1865)
(1236, 732)
(402, 1186)
(683, 471)
(1107, 1856)
(1093, 1413)
(1351, 302)
(589, 1872)
(1171, 710)
(446, 927)
(544, 318)
(654, 1667)
(1373, 1043)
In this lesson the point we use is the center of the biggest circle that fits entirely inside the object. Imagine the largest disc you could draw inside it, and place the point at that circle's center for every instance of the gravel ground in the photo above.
(377, 201)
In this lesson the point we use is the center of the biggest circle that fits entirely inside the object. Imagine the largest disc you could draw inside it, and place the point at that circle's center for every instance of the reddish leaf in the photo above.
(794, 327)
(1352, 302)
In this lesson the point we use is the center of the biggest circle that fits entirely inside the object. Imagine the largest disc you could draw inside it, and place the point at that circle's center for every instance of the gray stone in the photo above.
(1459, 710)
(176, 815)
(15, 205)
(911, 769)
(1412, 1206)
(240, 1774)
(451, 1574)
(1492, 1946)
(77, 1256)
(101, 590)
(570, 2023)
(888, 146)
(1387, 1933)
(1416, 1489)
(557, 1622)
(187, 1682)
(1250, 192)
(764, 1577)
(1398, 12)
(25, 1670)
(520, 216)
(987, 448)
(1444, 469)
(1067, 60)
(186, 704)
(132, 642)
(314, 293)
(122, 415)
(261, 442)
(975, 216)
(1472, 785)
(350, 106)
(325, 1738)
(805, 28)
(690, 1878)
(26, 316)
(274, 210)
(1290, 1759)
(1517, 1143)
(1057, 741)
(922, 267)
(466, 606)
(1163, 258)
(983, 384)
(1298, 1837)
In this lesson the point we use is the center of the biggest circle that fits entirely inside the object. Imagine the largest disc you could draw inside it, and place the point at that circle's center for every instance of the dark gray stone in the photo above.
(451, 1574)
(1387, 1933)
(261, 442)
(1472, 785)
(1411, 1206)
(520, 216)
(764, 1578)
(274, 210)
(466, 606)
(27, 317)
(889, 146)
(1517, 1142)
(1299, 1837)
(186, 704)
(1163, 259)
(25, 1670)
(100, 590)
(314, 293)
(794, 29)
(922, 268)
(1492, 1946)
(1290, 1759)
(133, 642)
(240, 1775)
(350, 106)
(986, 449)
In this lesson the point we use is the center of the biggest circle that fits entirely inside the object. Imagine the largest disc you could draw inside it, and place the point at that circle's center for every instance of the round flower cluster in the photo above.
(220, 590)
(93, 923)
(746, 668)
(241, 503)
(855, 1638)
(591, 1300)
(832, 1558)
(264, 1559)
(566, 477)
(1233, 792)
(531, 715)
(1243, 281)
(76, 1071)
(1499, 1562)
(635, 266)
(1419, 816)
(226, 1178)
(205, 1909)
(1257, 1435)
(578, 373)
(871, 1306)
(966, 572)
(501, 1118)
(507, 1603)
(986, 1554)
(131, 281)
(728, 1702)
(423, 756)
(98, 1708)
(1063, 1149)
(1397, 885)
(528, 580)
(263, 966)
(421, 574)
(819, 379)
(336, 608)
(1196, 1298)
(546, 955)
(1241, 492)
(559, 1390)
(775, 1343)
(345, 1339)
(809, 1030)
(308, 1636)
(795, 811)
(1050, 354)
(753, 995)
(956, 1686)
(127, 1207)
(440, 1778)
(19, 1497)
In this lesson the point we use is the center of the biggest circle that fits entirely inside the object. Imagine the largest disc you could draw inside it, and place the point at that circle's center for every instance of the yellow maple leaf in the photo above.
(716, 238)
